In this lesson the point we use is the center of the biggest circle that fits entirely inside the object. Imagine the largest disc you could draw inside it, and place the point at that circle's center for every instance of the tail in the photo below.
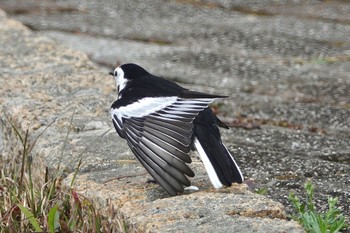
(218, 162)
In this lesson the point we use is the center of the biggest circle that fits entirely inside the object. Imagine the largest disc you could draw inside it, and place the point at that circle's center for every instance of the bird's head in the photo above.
(126, 73)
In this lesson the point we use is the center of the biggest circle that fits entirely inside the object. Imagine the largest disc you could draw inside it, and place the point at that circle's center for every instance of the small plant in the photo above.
(43, 206)
(331, 221)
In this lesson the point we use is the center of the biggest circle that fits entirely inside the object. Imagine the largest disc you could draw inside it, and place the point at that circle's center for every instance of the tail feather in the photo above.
(214, 179)
(219, 163)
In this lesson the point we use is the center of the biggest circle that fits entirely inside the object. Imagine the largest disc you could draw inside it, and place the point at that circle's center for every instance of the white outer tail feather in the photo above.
(213, 177)
(239, 170)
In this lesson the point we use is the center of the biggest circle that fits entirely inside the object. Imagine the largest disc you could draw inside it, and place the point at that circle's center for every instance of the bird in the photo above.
(162, 122)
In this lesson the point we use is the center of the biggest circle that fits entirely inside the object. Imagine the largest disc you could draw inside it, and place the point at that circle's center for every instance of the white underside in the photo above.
(213, 177)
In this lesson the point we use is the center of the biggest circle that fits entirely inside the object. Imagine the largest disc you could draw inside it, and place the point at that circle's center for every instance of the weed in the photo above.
(30, 206)
(331, 221)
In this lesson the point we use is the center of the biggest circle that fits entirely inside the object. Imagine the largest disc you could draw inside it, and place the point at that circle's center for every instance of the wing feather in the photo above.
(184, 138)
(170, 122)
(161, 139)
(170, 158)
(182, 155)
(167, 138)
(163, 180)
(164, 166)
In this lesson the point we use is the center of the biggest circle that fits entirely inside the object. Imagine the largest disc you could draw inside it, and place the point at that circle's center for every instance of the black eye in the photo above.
(111, 73)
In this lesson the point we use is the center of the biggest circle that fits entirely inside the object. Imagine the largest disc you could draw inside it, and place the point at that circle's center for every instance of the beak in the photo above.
(111, 73)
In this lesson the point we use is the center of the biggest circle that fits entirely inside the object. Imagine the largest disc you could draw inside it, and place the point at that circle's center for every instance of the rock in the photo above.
(233, 209)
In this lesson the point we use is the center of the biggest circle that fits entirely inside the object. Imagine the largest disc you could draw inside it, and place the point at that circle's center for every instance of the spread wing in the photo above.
(159, 132)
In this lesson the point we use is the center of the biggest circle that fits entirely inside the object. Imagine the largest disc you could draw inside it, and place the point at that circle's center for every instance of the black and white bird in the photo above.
(162, 121)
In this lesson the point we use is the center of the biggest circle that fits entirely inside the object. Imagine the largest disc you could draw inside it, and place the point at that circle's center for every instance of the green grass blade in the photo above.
(33, 221)
(16, 131)
(39, 135)
(65, 142)
(53, 220)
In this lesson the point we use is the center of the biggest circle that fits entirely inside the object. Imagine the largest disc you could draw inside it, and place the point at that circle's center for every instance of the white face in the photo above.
(120, 79)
